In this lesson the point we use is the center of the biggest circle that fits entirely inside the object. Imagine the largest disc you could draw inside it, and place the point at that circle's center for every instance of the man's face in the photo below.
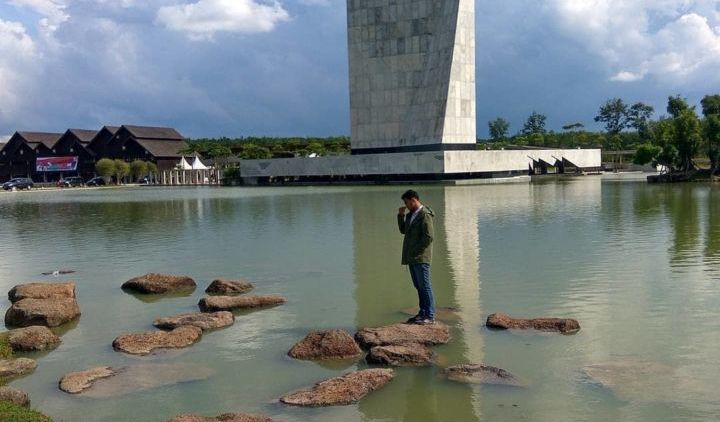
(412, 204)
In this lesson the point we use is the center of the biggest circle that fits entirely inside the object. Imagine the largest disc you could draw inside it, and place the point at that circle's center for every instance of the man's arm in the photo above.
(401, 223)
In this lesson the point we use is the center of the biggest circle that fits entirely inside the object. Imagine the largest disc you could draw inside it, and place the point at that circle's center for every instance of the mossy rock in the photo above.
(10, 412)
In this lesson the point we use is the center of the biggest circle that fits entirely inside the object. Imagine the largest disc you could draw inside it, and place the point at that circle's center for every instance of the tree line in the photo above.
(120, 169)
(675, 140)
(220, 149)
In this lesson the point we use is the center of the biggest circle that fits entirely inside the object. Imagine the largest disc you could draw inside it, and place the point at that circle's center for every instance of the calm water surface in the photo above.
(637, 265)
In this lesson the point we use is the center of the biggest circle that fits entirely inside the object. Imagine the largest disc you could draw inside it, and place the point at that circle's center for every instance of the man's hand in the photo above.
(401, 210)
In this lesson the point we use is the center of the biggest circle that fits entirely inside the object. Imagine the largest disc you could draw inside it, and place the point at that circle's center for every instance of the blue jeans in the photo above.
(420, 274)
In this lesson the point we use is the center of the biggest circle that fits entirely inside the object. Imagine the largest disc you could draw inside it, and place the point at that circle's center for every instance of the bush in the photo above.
(122, 169)
(105, 167)
(10, 412)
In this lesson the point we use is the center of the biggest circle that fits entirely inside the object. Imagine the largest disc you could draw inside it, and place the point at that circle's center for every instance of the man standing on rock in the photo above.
(416, 222)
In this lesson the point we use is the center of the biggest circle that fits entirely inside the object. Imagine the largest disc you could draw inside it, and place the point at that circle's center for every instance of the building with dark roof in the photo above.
(161, 145)
(99, 143)
(74, 143)
(17, 157)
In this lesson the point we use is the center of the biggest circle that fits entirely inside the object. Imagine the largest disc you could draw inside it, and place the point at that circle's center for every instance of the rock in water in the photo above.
(227, 417)
(504, 322)
(14, 396)
(323, 345)
(204, 321)
(47, 312)
(13, 368)
(154, 283)
(30, 339)
(77, 382)
(229, 303)
(136, 378)
(398, 334)
(42, 291)
(400, 355)
(481, 374)
(229, 287)
(344, 390)
(146, 343)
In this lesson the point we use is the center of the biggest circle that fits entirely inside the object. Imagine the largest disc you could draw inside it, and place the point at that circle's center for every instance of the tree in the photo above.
(614, 114)
(711, 130)
(638, 116)
(252, 151)
(499, 129)
(122, 169)
(711, 105)
(105, 167)
(535, 124)
(646, 153)
(676, 105)
(138, 169)
(687, 136)
(152, 170)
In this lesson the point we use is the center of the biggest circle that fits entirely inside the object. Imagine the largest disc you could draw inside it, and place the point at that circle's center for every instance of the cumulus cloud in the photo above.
(53, 11)
(673, 41)
(17, 51)
(201, 20)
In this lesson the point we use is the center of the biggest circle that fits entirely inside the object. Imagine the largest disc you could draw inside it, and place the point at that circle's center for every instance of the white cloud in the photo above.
(201, 20)
(674, 41)
(53, 11)
(17, 51)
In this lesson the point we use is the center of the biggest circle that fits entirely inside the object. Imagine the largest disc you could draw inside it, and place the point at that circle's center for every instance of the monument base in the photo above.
(419, 166)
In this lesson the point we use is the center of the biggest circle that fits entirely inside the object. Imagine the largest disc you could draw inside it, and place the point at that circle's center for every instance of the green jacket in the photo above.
(417, 244)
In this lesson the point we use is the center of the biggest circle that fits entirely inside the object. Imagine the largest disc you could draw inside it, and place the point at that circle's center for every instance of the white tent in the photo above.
(184, 165)
(198, 165)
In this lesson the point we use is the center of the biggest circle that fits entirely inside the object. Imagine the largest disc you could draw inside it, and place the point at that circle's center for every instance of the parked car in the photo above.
(71, 182)
(96, 181)
(18, 183)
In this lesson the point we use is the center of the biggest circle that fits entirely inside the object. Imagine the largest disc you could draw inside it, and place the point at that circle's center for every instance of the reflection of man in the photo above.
(416, 222)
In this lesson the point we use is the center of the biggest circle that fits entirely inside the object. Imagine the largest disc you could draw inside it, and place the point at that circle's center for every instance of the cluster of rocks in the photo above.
(35, 307)
(502, 321)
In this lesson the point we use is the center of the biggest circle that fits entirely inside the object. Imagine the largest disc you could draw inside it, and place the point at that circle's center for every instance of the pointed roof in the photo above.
(37, 138)
(163, 147)
(149, 132)
(83, 135)
(198, 165)
(184, 165)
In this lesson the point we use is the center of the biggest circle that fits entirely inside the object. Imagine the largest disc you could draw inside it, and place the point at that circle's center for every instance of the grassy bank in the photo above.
(13, 413)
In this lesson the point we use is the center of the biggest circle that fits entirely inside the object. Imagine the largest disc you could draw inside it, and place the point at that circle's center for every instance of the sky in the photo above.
(234, 68)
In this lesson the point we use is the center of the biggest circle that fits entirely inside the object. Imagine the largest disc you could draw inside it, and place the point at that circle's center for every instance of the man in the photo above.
(416, 222)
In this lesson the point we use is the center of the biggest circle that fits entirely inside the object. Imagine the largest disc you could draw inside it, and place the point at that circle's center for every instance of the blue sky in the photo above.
(258, 67)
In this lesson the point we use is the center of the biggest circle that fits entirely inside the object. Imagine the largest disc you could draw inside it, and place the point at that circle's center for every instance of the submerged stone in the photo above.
(47, 312)
(77, 382)
(154, 283)
(399, 334)
(202, 320)
(400, 355)
(148, 342)
(227, 417)
(481, 374)
(504, 322)
(42, 291)
(229, 303)
(646, 381)
(14, 368)
(229, 287)
(31, 339)
(324, 345)
(344, 390)
(143, 377)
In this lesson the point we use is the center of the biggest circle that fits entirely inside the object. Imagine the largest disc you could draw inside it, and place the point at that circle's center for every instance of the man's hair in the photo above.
(410, 194)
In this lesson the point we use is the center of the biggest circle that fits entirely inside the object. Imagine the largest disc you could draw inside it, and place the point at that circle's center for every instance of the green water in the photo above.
(637, 265)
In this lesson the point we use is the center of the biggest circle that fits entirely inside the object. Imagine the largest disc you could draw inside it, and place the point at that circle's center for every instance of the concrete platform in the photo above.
(416, 166)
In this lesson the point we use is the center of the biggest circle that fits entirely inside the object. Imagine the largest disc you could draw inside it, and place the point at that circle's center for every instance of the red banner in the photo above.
(47, 164)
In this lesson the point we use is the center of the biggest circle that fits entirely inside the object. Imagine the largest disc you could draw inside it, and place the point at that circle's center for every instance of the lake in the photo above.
(638, 265)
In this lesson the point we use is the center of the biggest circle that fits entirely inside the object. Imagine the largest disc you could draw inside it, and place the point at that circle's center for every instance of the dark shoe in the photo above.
(414, 319)
(425, 321)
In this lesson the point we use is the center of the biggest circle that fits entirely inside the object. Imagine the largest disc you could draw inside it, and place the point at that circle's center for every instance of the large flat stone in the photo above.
(504, 322)
(398, 334)
(400, 355)
(481, 374)
(42, 291)
(344, 390)
(226, 417)
(47, 312)
(228, 287)
(154, 283)
(31, 339)
(324, 345)
(77, 382)
(13, 368)
(230, 303)
(151, 341)
(202, 320)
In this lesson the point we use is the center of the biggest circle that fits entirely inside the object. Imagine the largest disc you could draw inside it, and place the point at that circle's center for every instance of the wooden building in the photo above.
(17, 157)
(161, 145)
(98, 145)
(75, 142)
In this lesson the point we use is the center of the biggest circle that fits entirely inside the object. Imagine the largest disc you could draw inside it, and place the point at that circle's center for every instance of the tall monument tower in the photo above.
(412, 75)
